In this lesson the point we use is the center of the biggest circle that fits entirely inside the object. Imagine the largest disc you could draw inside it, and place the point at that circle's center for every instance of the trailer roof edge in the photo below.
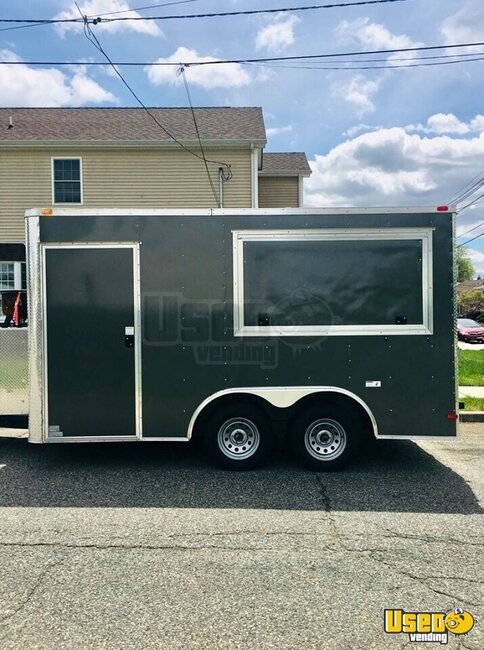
(207, 212)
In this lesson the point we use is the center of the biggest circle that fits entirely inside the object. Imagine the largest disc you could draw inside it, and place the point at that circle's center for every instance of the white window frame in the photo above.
(17, 274)
(54, 158)
(370, 234)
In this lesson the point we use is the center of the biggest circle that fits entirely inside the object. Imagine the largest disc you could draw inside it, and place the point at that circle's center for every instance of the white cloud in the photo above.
(372, 36)
(209, 77)
(357, 91)
(94, 8)
(278, 34)
(465, 26)
(24, 86)
(477, 259)
(393, 167)
(477, 124)
(278, 130)
(446, 123)
(441, 123)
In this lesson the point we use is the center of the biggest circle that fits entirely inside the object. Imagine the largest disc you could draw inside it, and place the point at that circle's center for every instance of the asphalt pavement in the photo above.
(147, 546)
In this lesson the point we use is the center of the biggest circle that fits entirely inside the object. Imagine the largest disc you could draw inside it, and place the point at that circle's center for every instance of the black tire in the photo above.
(326, 436)
(238, 436)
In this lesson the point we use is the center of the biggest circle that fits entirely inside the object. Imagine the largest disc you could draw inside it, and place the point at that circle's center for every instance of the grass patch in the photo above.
(473, 403)
(471, 367)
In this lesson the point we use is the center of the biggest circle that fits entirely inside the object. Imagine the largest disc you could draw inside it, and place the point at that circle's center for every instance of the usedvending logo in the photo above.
(430, 627)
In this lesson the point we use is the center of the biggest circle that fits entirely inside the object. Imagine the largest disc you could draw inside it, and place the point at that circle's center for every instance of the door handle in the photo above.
(129, 337)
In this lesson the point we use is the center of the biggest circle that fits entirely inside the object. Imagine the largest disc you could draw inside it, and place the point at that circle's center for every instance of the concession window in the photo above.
(333, 282)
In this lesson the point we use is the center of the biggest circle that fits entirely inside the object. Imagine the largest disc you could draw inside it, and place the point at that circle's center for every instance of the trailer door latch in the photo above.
(129, 337)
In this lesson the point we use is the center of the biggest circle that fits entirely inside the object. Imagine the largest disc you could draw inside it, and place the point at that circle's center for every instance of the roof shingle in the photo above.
(130, 125)
(285, 164)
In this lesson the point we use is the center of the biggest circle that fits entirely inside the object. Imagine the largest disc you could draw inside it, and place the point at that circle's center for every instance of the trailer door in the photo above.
(92, 347)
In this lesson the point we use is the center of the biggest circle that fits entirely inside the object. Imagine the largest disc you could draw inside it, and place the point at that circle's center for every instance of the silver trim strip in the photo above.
(134, 246)
(282, 397)
(35, 334)
(247, 212)
(416, 437)
(337, 234)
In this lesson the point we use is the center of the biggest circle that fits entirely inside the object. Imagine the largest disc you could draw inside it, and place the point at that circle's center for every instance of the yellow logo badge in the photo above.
(428, 626)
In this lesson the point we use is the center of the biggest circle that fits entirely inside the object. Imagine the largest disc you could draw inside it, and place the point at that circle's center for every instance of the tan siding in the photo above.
(278, 192)
(119, 178)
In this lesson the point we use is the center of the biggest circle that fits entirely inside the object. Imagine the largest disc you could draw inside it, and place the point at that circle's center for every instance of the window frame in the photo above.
(337, 234)
(17, 275)
(52, 160)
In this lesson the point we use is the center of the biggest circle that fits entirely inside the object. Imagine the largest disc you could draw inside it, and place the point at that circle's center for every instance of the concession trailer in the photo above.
(319, 329)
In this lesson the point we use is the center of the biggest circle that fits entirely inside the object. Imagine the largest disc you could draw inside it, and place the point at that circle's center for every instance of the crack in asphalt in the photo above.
(327, 508)
(427, 539)
(34, 588)
(419, 579)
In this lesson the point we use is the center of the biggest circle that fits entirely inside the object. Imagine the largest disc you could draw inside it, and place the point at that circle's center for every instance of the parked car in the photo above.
(470, 331)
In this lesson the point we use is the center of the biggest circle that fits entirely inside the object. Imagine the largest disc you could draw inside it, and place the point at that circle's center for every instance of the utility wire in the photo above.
(187, 64)
(95, 41)
(163, 4)
(478, 198)
(469, 240)
(181, 72)
(112, 13)
(473, 186)
(356, 3)
(468, 231)
(367, 67)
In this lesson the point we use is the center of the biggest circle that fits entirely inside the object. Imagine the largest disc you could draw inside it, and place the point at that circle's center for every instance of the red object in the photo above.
(16, 309)
(452, 416)
(442, 208)
(469, 330)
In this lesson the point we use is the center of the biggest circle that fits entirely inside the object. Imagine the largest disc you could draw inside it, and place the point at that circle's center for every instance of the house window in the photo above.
(67, 180)
(7, 276)
(12, 276)
(332, 282)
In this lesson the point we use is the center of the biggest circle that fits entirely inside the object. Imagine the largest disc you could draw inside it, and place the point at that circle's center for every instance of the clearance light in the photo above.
(442, 208)
(452, 416)
(46, 212)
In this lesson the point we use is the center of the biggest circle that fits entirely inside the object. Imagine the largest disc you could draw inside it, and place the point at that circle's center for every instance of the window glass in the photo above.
(67, 180)
(338, 282)
(7, 276)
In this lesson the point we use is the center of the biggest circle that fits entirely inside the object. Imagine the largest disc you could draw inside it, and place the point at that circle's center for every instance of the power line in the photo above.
(356, 3)
(369, 67)
(111, 13)
(185, 83)
(468, 231)
(163, 4)
(187, 64)
(469, 240)
(92, 38)
(472, 202)
(471, 188)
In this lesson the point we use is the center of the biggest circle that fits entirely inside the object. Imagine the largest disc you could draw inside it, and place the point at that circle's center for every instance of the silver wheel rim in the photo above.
(238, 438)
(325, 439)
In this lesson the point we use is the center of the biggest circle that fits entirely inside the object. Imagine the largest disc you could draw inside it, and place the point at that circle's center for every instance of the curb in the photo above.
(471, 416)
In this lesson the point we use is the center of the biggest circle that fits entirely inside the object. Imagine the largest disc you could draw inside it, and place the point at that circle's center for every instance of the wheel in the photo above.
(325, 436)
(238, 436)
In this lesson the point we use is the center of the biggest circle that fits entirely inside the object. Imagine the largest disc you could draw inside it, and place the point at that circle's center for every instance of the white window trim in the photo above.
(17, 271)
(389, 234)
(53, 158)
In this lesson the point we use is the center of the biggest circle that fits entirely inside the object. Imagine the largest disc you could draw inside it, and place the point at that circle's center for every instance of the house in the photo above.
(122, 157)
(470, 285)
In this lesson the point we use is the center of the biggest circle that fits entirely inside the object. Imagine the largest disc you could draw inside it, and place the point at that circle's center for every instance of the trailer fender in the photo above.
(281, 397)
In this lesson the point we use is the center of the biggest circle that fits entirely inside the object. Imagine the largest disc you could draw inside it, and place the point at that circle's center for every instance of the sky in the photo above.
(379, 137)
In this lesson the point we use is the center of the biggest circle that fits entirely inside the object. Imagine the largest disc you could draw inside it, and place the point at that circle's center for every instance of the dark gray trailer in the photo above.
(320, 328)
